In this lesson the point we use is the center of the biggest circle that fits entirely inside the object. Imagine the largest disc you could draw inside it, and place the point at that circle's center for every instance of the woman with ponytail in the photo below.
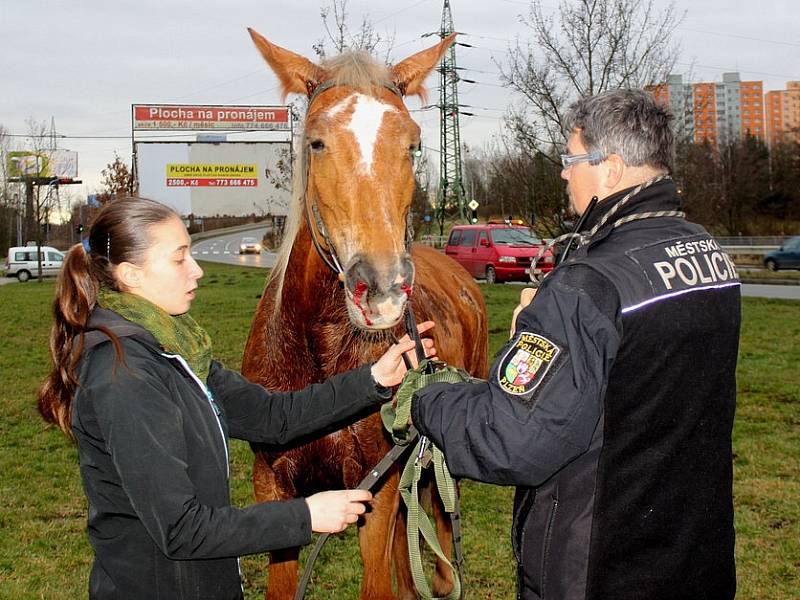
(134, 384)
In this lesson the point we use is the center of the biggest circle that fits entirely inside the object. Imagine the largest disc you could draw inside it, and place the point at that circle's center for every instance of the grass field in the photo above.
(43, 548)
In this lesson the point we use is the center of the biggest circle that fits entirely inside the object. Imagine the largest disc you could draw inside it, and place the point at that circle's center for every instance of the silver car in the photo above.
(249, 245)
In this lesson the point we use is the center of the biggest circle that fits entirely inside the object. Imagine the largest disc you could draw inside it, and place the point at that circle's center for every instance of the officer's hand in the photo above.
(525, 298)
(333, 511)
(389, 369)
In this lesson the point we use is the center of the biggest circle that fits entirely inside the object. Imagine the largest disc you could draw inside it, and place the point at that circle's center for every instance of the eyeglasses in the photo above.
(593, 158)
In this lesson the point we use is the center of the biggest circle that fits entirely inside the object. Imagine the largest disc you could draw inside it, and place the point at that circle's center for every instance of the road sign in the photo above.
(473, 205)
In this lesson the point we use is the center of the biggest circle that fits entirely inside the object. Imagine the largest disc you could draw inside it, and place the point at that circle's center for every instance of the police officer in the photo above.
(611, 407)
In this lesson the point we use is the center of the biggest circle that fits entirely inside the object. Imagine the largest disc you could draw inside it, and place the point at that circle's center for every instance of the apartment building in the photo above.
(716, 112)
(783, 114)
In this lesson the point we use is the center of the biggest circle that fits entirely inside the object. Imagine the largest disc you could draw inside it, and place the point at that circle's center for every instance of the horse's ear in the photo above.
(297, 74)
(409, 75)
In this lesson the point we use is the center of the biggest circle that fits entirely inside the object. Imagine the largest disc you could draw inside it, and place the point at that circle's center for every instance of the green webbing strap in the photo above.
(396, 415)
(396, 420)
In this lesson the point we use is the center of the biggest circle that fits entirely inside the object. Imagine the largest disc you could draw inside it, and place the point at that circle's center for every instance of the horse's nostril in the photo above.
(359, 273)
(399, 289)
(359, 290)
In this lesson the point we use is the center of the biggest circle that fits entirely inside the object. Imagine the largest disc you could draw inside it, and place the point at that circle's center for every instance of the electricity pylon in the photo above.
(451, 198)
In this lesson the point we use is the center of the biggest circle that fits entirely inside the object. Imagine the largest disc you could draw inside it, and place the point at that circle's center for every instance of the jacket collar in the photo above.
(119, 326)
(661, 196)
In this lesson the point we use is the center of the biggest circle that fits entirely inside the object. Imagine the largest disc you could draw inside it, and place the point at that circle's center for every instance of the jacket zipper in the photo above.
(211, 403)
(520, 517)
(548, 536)
(215, 410)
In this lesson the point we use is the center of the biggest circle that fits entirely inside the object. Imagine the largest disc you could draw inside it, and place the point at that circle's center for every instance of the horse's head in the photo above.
(357, 159)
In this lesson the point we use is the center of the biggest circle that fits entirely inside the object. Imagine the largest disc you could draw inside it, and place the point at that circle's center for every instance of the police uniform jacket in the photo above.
(153, 448)
(611, 409)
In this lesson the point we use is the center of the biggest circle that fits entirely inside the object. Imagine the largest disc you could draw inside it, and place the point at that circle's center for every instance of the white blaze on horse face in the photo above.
(365, 125)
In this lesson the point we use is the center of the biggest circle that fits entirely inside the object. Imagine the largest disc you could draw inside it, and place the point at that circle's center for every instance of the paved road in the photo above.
(225, 249)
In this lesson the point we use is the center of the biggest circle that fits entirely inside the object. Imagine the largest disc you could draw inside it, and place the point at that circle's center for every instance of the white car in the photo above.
(248, 245)
(22, 262)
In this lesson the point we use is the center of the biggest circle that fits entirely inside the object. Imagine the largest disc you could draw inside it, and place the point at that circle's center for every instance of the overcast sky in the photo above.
(84, 62)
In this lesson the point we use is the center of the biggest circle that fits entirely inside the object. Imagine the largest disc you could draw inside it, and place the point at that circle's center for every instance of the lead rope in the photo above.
(396, 420)
(584, 239)
(425, 453)
(404, 434)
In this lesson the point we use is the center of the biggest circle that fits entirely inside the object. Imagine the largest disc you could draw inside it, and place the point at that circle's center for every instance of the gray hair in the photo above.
(628, 123)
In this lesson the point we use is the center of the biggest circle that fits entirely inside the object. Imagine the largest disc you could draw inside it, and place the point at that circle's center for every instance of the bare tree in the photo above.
(579, 49)
(585, 47)
(526, 183)
(334, 19)
(421, 206)
(782, 206)
(724, 188)
(743, 177)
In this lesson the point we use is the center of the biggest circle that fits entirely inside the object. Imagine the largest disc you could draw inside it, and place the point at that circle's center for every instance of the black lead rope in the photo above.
(419, 349)
(372, 478)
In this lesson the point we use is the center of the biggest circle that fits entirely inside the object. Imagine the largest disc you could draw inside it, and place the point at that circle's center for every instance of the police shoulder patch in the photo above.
(526, 363)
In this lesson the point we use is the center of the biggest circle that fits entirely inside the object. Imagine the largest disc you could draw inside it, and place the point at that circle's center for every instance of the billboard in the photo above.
(212, 175)
(204, 117)
(222, 179)
(44, 163)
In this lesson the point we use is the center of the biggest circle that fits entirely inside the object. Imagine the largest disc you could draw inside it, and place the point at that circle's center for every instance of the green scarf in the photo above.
(177, 335)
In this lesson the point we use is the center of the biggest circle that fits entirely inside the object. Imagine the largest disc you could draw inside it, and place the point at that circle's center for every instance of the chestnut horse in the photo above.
(331, 308)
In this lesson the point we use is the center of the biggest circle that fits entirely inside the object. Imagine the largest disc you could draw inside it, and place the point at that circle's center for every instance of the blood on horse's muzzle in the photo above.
(377, 294)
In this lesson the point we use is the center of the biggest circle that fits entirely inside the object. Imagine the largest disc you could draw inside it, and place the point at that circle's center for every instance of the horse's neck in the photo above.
(309, 289)
(311, 302)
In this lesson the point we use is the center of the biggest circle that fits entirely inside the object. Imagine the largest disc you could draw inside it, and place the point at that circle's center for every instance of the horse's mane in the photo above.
(358, 70)
(355, 69)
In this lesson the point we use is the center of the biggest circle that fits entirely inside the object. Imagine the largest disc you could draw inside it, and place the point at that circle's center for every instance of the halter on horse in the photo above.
(353, 192)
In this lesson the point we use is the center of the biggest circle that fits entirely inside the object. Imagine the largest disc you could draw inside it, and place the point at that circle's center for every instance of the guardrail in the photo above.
(201, 235)
(435, 241)
(748, 249)
(767, 241)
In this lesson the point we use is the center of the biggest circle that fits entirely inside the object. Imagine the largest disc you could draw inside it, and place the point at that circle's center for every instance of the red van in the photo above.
(497, 251)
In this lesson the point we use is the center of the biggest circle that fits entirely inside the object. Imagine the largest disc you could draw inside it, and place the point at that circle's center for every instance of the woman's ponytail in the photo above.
(76, 295)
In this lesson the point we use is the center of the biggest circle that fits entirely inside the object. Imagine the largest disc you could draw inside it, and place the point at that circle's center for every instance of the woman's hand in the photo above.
(333, 511)
(390, 368)
(525, 298)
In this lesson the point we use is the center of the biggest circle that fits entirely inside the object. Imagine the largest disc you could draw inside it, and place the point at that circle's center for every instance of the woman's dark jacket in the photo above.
(154, 463)
(611, 409)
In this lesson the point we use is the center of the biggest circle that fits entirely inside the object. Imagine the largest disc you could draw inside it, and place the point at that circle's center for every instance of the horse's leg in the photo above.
(282, 579)
(402, 564)
(375, 538)
(443, 578)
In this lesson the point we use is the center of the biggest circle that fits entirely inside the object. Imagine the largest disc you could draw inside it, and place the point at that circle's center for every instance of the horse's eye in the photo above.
(415, 150)
(317, 145)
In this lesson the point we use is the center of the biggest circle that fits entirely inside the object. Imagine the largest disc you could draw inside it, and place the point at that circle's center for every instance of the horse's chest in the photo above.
(338, 459)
